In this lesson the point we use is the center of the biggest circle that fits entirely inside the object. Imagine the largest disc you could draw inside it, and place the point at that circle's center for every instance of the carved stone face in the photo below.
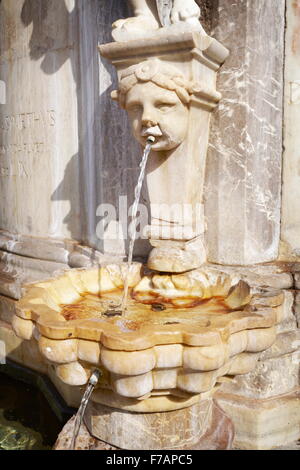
(159, 112)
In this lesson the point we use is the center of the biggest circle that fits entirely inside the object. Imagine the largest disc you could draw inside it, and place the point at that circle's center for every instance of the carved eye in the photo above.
(165, 107)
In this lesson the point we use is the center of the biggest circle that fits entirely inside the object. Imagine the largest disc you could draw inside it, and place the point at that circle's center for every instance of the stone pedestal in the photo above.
(181, 71)
(263, 424)
(218, 434)
(265, 403)
(139, 431)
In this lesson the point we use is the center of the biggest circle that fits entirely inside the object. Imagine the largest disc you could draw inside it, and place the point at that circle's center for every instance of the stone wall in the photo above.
(73, 150)
(249, 224)
(65, 148)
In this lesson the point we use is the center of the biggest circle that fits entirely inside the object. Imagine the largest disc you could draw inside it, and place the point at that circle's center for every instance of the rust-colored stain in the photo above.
(140, 311)
(296, 32)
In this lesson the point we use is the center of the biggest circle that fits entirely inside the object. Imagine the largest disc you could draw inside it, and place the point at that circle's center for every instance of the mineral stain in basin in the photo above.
(106, 307)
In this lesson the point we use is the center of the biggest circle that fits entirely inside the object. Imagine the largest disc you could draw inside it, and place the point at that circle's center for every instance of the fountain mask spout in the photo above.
(150, 139)
(94, 378)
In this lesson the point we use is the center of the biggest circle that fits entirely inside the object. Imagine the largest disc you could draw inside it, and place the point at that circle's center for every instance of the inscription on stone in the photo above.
(22, 148)
(14, 170)
(28, 120)
(23, 138)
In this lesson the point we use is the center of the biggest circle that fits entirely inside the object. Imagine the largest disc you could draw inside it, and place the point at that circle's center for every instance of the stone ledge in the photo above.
(262, 275)
(270, 378)
(16, 270)
(263, 424)
(286, 342)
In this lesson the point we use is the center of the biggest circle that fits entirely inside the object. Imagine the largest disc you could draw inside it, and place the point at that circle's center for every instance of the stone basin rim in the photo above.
(49, 323)
(163, 335)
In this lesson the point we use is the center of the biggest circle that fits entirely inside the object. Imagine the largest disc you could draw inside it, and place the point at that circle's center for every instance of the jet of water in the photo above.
(137, 194)
(94, 378)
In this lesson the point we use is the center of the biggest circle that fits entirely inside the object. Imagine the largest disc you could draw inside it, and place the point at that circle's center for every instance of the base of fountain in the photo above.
(172, 256)
(218, 435)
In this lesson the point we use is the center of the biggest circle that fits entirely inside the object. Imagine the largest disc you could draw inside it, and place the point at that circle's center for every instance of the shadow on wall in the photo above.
(106, 165)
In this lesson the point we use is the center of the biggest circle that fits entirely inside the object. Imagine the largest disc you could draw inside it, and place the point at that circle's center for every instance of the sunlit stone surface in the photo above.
(179, 335)
(243, 175)
(65, 148)
(290, 228)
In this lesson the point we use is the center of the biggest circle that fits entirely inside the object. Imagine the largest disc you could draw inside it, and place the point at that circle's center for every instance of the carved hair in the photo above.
(155, 71)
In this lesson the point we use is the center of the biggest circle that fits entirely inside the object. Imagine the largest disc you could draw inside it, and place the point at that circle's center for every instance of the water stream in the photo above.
(85, 399)
(132, 234)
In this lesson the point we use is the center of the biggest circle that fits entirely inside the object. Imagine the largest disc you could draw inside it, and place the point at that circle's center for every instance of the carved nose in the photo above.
(148, 120)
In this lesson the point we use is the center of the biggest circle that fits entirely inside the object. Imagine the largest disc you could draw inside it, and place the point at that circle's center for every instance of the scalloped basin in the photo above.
(106, 306)
(181, 333)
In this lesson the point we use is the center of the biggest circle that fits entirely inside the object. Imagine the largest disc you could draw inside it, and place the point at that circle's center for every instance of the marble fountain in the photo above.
(181, 336)
(188, 326)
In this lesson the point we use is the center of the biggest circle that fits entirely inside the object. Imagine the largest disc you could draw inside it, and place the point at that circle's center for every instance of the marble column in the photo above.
(38, 123)
(64, 149)
(290, 228)
(243, 180)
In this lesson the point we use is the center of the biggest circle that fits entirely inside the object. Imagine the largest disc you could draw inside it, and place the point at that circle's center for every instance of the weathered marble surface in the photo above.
(7, 309)
(263, 424)
(288, 318)
(55, 134)
(297, 308)
(25, 353)
(290, 221)
(16, 270)
(264, 404)
(219, 436)
(151, 15)
(169, 430)
(277, 276)
(150, 363)
(270, 378)
(243, 181)
(104, 163)
(36, 138)
(36, 247)
(172, 104)
(25, 259)
(41, 58)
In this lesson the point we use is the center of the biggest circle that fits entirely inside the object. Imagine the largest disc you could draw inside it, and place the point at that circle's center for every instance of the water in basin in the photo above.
(138, 313)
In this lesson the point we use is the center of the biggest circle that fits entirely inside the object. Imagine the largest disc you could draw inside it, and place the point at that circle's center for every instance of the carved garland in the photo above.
(162, 75)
